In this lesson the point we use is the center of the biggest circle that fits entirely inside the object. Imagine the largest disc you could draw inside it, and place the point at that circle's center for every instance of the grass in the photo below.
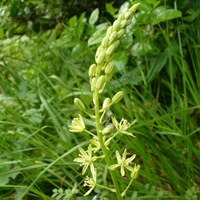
(40, 77)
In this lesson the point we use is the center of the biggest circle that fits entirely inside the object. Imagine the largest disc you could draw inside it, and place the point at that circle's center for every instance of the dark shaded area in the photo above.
(45, 14)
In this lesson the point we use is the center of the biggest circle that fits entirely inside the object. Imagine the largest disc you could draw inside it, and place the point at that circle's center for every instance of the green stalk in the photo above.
(103, 147)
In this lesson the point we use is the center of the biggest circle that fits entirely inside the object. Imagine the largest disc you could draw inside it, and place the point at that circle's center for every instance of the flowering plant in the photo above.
(99, 74)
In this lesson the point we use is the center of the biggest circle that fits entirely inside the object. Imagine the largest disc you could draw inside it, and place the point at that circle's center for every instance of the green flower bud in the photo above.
(109, 30)
(101, 90)
(92, 70)
(120, 17)
(123, 23)
(134, 7)
(111, 48)
(117, 97)
(116, 25)
(100, 82)
(127, 15)
(106, 130)
(104, 42)
(99, 50)
(121, 32)
(93, 84)
(109, 67)
(100, 58)
(108, 77)
(109, 58)
(113, 37)
(79, 104)
(106, 103)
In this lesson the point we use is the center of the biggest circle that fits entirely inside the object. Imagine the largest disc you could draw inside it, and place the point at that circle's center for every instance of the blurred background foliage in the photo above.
(40, 15)
(21, 16)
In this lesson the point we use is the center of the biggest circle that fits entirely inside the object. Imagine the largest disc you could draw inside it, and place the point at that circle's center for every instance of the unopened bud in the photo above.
(127, 15)
(99, 50)
(100, 82)
(92, 70)
(116, 25)
(109, 58)
(117, 97)
(100, 58)
(106, 103)
(108, 77)
(106, 130)
(121, 32)
(93, 84)
(101, 90)
(123, 23)
(134, 7)
(79, 104)
(120, 17)
(109, 31)
(113, 37)
(109, 67)
(104, 42)
(112, 47)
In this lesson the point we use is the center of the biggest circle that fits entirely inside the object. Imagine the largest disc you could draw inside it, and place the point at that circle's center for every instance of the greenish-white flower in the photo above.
(77, 125)
(123, 162)
(122, 126)
(90, 182)
(86, 159)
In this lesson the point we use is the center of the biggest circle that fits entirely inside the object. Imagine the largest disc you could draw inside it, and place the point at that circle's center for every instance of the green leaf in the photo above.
(192, 15)
(139, 49)
(72, 21)
(161, 14)
(110, 9)
(94, 16)
(120, 60)
(133, 77)
(81, 25)
(5, 172)
(98, 35)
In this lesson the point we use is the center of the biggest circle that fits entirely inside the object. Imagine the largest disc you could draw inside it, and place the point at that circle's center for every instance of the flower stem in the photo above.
(103, 147)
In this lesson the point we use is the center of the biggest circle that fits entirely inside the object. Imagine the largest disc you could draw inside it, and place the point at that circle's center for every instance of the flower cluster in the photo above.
(101, 71)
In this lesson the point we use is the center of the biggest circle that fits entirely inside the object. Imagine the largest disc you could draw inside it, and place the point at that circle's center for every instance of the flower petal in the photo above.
(112, 167)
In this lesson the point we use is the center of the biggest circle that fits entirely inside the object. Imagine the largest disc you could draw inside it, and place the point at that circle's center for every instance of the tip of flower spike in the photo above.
(134, 7)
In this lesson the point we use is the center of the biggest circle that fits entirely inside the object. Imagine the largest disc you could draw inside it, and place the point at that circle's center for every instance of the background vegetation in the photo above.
(46, 50)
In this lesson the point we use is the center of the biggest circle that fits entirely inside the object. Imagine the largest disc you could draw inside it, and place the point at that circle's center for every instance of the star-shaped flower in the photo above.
(77, 125)
(86, 159)
(122, 126)
(123, 162)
